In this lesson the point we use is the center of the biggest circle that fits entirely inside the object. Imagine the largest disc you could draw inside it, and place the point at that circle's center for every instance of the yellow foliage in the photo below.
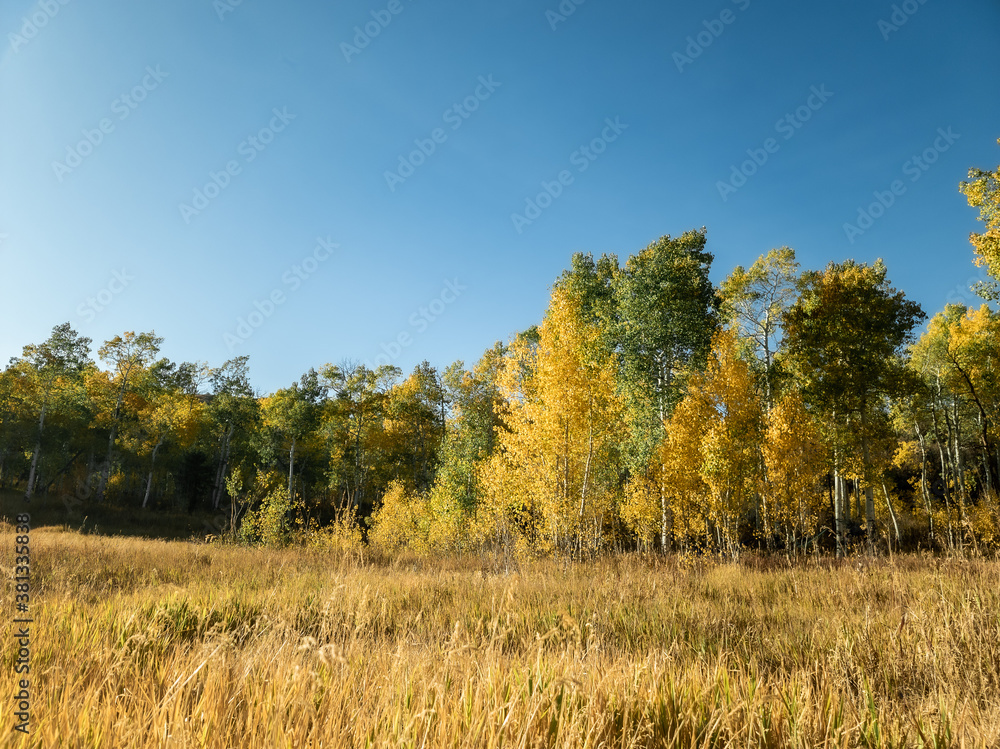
(401, 522)
(640, 509)
(731, 447)
(983, 192)
(271, 520)
(342, 536)
(983, 519)
(553, 475)
(449, 529)
(680, 457)
(907, 456)
(710, 457)
(795, 460)
(418, 523)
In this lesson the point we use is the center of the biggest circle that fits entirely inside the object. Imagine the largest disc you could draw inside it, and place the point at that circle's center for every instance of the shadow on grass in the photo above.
(94, 518)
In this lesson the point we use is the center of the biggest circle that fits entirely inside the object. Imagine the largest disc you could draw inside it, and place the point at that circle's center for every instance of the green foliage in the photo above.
(754, 303)
(614, 423)
(272, 517)
(52, 385)
(354, 429)
(845, 335)
(844, 339)
(667, 311)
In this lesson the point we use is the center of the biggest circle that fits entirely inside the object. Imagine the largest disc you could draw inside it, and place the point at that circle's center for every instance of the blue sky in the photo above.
(189, 165)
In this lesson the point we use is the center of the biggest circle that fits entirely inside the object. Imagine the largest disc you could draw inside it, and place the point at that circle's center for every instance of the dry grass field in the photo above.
(140, 643)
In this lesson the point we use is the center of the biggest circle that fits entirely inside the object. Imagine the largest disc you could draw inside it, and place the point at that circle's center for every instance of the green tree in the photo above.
(593, 283)
(234, 418)
(169, 412)
(754, 301)
(17, 424)
(844, 338)
(292, 414)
(416, 411)
(54, 370)
(475, 401)
(666, 314)
(354, 428)
(128, 355)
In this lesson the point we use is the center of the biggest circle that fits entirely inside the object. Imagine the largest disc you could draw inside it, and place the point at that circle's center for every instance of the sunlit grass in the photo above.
(149, 643)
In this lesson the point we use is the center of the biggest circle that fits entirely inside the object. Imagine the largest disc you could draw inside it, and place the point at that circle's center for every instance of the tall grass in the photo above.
(143, 643)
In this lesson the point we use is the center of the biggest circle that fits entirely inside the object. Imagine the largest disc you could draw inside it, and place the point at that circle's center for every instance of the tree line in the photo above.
(784, 410)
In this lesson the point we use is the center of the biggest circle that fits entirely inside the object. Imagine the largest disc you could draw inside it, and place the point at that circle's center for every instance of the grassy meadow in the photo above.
(156, 643)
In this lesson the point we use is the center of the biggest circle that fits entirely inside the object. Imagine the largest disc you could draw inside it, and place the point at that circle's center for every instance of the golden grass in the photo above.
(166, 644)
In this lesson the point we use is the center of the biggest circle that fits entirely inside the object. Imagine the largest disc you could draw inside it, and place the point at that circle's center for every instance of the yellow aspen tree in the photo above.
(402, 521)
(682, 486)
(973, 353)
(555, 465)
(795, 460)
(709, 461)
(170, 416)
(731, 461)
(983, 192)
(958, 358)
(640, 508)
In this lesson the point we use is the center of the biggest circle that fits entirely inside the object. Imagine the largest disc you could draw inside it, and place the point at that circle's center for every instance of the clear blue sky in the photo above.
(180, 87)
